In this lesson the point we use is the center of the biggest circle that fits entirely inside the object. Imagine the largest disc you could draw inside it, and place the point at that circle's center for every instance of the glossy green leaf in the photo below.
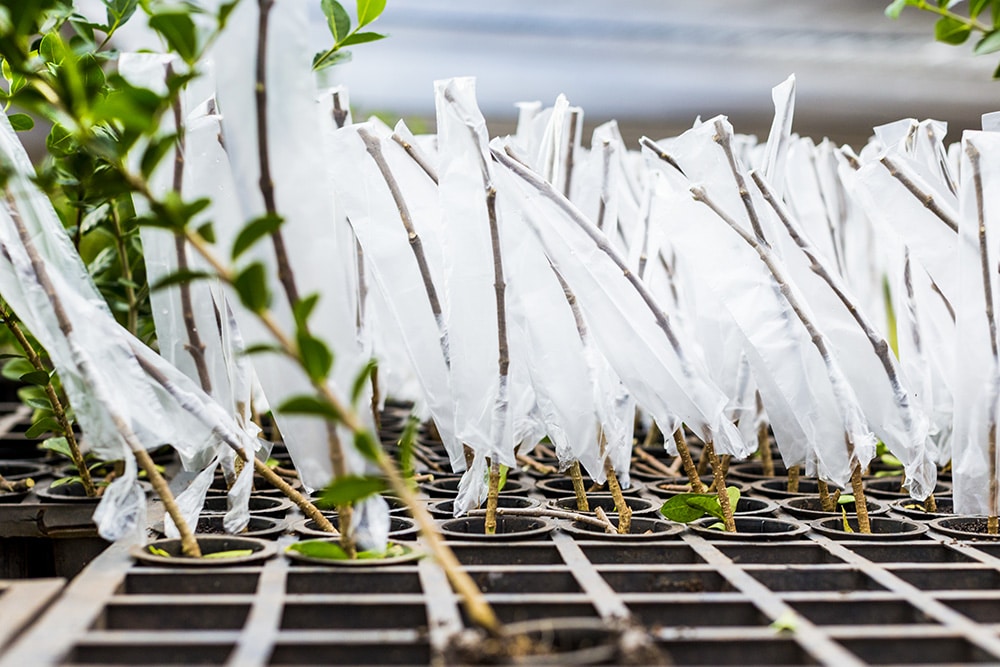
(58, 445)
(369, 10)
(251, 286)
(207, 232)
(361, 381)
(179, 277)
(350, 489)
(21, 122)
(951, 31)
(156, 551)
(303, 309)
(317, 359)
(679, 509)
(325, 59)
(16, 367)
(337, 18)
(254, 231)
(845, 499)
(39, 378)
(179, 31)
(308, 405)
(787, 622)
(362, 38)
(120, 11)
(976, 7)
(988, 44)
(41, 427)
(895, 8)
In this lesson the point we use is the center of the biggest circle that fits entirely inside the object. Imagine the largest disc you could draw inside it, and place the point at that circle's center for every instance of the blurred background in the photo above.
(656, 65)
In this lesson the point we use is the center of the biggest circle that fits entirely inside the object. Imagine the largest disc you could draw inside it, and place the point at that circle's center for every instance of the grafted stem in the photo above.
(578, 489)
(720, 488)
(685, 455)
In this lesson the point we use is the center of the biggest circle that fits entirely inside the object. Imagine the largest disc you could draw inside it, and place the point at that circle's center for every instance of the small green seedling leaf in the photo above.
(156, 551)
(21, 122)
(366, 445)
(251, 286)
(350, 489)
(43, 425)
(303, 308)
(337, 18)
(306, 404)
(178, 29)
(787, 622)
(369, 10)
(734, 496)
(39, 378)
(847, 525)
(63, 481)
(503, 477)
(951, 31)
(58, 445)
(890, 460)
(362, 38)
(845, 499)
(362, 380)
(317, 359)
(718, 525)
(255, 230)
(234, 553)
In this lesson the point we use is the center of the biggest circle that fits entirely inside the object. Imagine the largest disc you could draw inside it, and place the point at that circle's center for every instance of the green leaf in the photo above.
(303, 309)
(38, 403)
(951, 31)
(890, 460)
(503, 477)
(58, 445)
(251, 286)
(317, 359)
(718, 525)
(369, 10)
(254, 231)
(38, 378)
(845, 499)
(63, 481)
(362, 380)
(179, 277)
(319, 549)
(680, 510)
(155, 152)
(787, 622)
(988, 44)
(362, 38)
(16, 367)
(42, 426)
(350, 489)
(325, 59)
(407, 444)
(233, 553)
(976, 7)
(894, 9)
(306, 404)
(178, 29)
(337, 18)
(367, 446)
(708, 504)
(734, 496)
(21, 122)
(262, 348)
(157, 551)
(120, 11)
(207, 232)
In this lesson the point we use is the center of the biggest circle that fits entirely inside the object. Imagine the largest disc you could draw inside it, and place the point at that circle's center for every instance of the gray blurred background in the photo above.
(654, 65)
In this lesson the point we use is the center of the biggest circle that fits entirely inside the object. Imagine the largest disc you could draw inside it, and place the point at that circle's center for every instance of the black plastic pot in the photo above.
(444, 509)
(964, 527)
(883, 528)
(642, 529)
(777, 488)
(261, 487)
(751, 471)
(400, 528)
(260, 527)
(810, 508)
(887, 488)
(639, 506)
(509, 529)
(914, 509)
(746, 506)
(751, 528)
(71, 492)
(210, 544)
(680, 485)
(10, 497)
(559, 487)
(265, 506)
(447, 487)
(17, 470)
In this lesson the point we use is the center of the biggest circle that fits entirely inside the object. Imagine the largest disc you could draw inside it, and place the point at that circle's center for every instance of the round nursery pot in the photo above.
(914, 509)
(447, 487)
(751, 471)
(809, 508)
(261, 527)
(15, 471)
(21, 450)
(261, 487)
(246, 550)
(883, 528)
(752, 529)
(963, 527)
(777, 488)
(558, 487)
(559, 641)
(327, 552)
(509, 529)
(887, 488)
(746, 506)
(666, 488)
(71, 492)
(400, 527)
(642, 529)
(265, 506)
(639, 506)
(445, 509)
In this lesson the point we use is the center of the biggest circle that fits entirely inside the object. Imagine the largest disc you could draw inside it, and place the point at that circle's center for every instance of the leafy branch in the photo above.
(339, 22)
(954, 28)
